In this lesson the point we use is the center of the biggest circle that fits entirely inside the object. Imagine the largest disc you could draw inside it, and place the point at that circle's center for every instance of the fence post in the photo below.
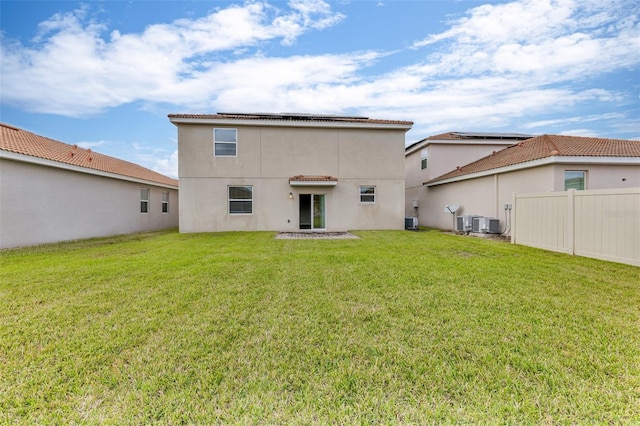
(512, 216)
(571, 220)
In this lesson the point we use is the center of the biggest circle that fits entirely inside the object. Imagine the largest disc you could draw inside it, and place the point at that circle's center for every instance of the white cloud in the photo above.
(495, 64)
(72, 70)
(92, 145)
(580, 132)
(167, 166)
(577, 119)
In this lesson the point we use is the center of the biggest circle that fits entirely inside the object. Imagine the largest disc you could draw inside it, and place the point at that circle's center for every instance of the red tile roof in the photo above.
(288, 117)
(13, 139)
(303, 178)
(548, 146)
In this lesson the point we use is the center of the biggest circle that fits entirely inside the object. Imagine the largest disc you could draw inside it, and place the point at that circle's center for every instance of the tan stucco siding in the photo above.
(484, 196)
(207, 208)
(600, 176)
(40, 204)
(269, 156)
(297, 151)
(487, 195)
(371, 153)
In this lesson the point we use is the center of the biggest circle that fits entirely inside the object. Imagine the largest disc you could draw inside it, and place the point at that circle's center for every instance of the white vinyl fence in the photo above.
(603, 224)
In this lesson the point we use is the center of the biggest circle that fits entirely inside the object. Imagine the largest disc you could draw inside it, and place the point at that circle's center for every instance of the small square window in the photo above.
(367, 194)
(240, 200)
(225, 142)
(574, 179)
(144, 200)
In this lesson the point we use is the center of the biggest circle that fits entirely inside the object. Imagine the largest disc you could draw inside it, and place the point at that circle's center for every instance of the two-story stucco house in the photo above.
(436, 155)
(289, 172)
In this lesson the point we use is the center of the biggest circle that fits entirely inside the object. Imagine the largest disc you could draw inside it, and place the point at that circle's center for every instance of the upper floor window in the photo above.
(423, 158)
(225, 142)
(240, 199)
(144, 200)
(574, 179)
(367, 194)
(165, 202)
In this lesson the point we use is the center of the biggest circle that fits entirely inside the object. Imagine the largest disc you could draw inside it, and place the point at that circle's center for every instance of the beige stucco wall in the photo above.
(40, 204)
(268, 156)
(442, 158)
(486, 196)
(601, 176)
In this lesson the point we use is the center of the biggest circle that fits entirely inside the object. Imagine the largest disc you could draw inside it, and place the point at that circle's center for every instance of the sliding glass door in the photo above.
(312, 211)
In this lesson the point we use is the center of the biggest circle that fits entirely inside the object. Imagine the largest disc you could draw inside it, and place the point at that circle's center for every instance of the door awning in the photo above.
(305, 180)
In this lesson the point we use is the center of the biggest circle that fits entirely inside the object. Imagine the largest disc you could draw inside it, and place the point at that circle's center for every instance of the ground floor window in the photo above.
(165, 202)
(144, 200)
(240, 199)
(367, 194)
(574, 179)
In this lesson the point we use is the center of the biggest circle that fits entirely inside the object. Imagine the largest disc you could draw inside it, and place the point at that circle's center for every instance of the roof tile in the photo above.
(19, 141)
(288, 118)
(548, 146)
(304, 178)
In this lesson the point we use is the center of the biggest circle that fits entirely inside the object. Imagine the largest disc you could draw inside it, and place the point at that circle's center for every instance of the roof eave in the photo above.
(416, 146)
(292, 123)
(313, 183)
(537, 163)
(8, 155)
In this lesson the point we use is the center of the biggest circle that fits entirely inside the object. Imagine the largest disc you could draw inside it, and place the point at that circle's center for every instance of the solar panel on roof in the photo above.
(492, 135)
(294, 115)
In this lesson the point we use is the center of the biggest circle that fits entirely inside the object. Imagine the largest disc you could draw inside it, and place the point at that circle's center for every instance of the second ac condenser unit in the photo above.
(465, 223)
(488, 225)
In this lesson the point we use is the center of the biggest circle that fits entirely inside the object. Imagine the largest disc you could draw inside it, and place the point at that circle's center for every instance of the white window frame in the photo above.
(424, 159)
(367, 194)
(225, 142)
(232, 200)
(144, 200)
(584, 179)
(165, 202)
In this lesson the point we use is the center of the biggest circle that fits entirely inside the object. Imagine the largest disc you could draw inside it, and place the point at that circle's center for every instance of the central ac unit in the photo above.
(475, 224)
(464, 223)
(488, 225)
(411, 222)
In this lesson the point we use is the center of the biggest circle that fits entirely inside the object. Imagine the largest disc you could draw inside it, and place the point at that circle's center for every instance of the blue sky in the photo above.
(105, 74)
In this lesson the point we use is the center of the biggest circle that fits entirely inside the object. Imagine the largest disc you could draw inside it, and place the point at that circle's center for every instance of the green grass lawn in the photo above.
(392, 328)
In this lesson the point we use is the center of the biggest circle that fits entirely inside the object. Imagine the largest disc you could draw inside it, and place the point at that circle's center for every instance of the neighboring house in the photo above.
(540, 164)
(51, 191)
(433, 156)
(289, 172)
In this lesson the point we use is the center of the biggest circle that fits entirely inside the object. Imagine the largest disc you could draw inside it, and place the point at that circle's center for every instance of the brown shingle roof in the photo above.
(19, 141)
(548, 146)
(288, 117)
